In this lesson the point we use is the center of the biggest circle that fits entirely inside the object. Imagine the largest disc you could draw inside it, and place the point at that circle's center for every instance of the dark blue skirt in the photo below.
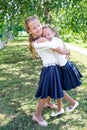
(70, 76)
(50, 83)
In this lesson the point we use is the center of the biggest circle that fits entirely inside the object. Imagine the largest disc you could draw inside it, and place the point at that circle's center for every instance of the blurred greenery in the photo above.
(19, 76)
(67, 16)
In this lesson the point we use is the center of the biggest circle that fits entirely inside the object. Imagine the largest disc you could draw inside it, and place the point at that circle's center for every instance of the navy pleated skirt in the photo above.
(70, 76)
(50, 83)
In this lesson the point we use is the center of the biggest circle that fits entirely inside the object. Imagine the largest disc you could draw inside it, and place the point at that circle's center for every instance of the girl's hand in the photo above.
(67, 52)
(67, 57)
(42, 39)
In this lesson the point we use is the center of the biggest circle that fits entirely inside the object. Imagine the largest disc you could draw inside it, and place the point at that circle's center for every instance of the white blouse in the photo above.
(48, 56)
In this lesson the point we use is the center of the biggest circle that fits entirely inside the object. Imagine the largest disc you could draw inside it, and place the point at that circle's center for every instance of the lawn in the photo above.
(19, 76)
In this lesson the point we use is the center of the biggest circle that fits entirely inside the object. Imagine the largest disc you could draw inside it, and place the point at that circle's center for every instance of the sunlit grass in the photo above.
(19, 76)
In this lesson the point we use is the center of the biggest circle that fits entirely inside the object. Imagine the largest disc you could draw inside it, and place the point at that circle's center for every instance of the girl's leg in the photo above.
(69, 99)
(50, 104)
(37, 115)
(39, 109)
(60, 109)
(59, 103)
(73, 103)
(48, 99)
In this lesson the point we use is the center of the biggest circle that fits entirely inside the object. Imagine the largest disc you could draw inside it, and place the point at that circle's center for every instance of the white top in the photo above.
(46, 53)
(61, 58)
(48, 56)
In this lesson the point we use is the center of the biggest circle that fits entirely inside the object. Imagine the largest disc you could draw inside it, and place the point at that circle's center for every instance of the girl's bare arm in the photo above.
(48, 45)
(41, 40)
(62, 51)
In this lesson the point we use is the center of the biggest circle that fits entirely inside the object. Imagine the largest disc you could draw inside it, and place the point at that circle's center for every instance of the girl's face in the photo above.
(35, 28)
(48, 33)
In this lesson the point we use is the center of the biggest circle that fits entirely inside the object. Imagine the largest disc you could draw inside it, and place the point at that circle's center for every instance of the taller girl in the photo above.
(49, 84)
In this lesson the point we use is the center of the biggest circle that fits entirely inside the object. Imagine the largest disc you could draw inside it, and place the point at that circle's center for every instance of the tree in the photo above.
(66, 15)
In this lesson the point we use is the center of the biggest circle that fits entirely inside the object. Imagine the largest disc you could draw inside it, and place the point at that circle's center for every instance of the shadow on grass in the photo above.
(19, 121)
(18, 83)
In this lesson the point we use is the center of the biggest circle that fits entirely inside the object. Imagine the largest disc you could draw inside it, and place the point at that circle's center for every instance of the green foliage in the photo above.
(67, 15)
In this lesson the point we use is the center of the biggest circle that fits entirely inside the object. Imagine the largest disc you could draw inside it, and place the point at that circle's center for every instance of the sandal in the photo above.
(73, 107)
(54, 114)
(51, 105)
(41, 123)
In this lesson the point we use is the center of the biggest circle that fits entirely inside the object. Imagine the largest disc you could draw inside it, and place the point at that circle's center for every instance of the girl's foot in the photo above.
(54, 114)
(51, 105)
(72, 107)
(39, 120)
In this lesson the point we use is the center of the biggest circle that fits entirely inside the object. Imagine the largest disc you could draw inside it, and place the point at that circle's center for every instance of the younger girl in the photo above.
(70, 75)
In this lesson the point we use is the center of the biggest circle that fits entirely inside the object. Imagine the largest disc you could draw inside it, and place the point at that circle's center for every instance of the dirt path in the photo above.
(76, 48)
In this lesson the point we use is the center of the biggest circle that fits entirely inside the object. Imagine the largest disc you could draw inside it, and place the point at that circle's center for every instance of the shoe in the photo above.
(73, 107)
(41, 123)
(54, 114)
(52, 106)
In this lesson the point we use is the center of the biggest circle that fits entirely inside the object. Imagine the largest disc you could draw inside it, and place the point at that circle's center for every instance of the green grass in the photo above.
(19, 76)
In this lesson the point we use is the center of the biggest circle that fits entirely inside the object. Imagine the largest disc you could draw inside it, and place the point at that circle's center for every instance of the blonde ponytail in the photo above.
(31, 48)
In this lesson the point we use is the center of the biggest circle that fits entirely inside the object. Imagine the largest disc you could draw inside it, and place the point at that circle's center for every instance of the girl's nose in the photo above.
(38, 29)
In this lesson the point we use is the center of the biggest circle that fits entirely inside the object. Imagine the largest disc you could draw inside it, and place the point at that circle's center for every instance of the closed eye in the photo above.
(34, 27)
